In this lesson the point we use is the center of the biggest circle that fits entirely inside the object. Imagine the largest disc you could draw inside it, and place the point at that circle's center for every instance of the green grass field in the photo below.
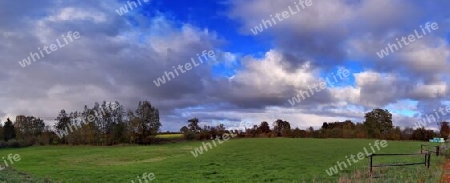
(237, 160)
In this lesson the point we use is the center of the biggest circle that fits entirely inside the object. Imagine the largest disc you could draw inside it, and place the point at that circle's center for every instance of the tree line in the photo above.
(377, 124)
(109, 124)
(102, 124)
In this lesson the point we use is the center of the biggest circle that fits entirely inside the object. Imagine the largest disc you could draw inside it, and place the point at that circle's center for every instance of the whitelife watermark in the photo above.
(411, 38)
(360, 155)
(53, 47)
(225, 137)
(236, 127)
(284, 14)
(10, 158)
(123, 10)
(145, 176)
(431, 118)
(188, 66)
(323, 84)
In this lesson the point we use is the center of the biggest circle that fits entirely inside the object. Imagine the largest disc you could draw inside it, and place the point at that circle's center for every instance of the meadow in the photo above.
(237, 160)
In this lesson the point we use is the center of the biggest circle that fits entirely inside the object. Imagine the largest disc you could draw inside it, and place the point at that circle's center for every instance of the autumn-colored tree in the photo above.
(407, 133)
(146, 119)
(28, 129)
(423, 134)
(282, 128)
(21, 127)
(444, 130)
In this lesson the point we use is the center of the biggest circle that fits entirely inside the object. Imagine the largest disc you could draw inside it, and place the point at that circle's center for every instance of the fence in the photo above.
(436, 147)
(426, 161)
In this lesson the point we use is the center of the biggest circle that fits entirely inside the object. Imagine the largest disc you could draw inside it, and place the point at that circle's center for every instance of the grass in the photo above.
(170, 136)
(237, 160)
(10, 175)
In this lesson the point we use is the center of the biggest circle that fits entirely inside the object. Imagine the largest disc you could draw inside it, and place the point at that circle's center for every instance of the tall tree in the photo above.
(28, 127)
(324, 126)
(8, 130)
(282, 128)
(21, 127)
(378, 121)
(264, 127)
(193, 125)
(2, 133)
(119, 124)
(146, 119)
(62, 125)
(444, 130)
(184, 129)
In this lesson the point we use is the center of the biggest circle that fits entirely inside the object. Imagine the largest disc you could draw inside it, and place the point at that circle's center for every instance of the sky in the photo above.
(250, 78)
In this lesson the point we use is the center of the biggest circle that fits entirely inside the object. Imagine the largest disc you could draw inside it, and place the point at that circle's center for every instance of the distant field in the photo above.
(237, 160)
(169, 136)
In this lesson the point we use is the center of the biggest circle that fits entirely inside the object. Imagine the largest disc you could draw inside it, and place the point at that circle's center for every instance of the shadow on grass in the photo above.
(9, 175)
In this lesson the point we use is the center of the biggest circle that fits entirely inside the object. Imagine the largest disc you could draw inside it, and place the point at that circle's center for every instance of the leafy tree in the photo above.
(8, 130)
(297, 133)
(184, 129)
(193, 125)
(378, 121)
(282, 128)
(407, 133)
(146, 119)
(423, 134)
(264, 127)
(134, 128)
(361, 131)
(2, 135)
(89, 131)
(63, 124)
(73, 136)
(119, 123)
(324, 125)
(29, 128)
(110, 117)
(444, 130)
(395, 134)
(21, 127)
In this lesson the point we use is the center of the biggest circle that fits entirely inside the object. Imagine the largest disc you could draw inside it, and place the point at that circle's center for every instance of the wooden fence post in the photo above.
(429, 157)
(437, 150)
(426, 159)
(370, 165)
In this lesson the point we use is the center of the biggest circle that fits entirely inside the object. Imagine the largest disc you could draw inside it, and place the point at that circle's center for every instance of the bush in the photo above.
(204, 135)
(189, 136)
(3, 144)
(13, 143)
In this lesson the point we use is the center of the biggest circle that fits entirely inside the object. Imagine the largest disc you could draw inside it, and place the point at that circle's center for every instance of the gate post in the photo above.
(426, 159)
